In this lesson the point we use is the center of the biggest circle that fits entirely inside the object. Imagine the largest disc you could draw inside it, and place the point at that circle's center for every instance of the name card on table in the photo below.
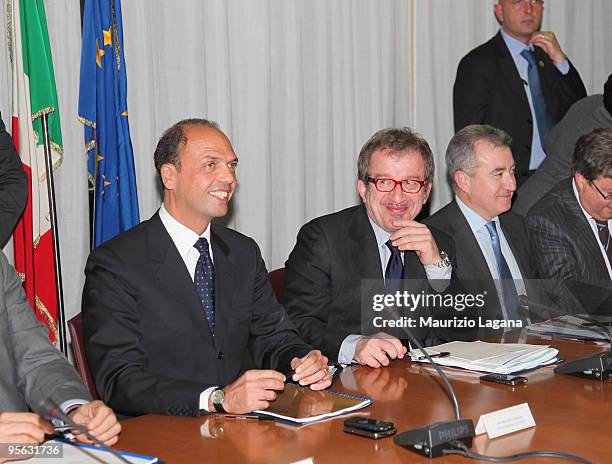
(505, 421)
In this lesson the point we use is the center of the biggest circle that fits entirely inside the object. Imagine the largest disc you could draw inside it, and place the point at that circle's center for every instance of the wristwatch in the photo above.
(217, 398)
(445, 260)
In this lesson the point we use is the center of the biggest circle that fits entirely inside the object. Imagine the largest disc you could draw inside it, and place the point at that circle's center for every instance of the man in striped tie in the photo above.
(570, 229)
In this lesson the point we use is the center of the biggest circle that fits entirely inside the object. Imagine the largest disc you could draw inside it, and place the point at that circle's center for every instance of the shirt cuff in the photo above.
(347, 349)
(65, 407)
(563, 67)
(439, 277)
(204, 397)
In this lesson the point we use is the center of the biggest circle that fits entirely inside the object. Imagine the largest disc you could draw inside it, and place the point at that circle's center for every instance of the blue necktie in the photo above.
(537, 95)
(394, 271)
(508, 288)
(204, 280)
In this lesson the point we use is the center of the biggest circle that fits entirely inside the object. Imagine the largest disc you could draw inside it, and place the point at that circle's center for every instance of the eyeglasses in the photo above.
(605, 197)
(518, 4)
(386, 184)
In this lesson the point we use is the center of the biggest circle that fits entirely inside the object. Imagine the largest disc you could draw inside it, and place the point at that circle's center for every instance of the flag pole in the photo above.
(61, 331)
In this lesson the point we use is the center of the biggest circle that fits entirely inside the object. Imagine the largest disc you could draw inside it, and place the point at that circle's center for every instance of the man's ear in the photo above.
(499, 13)
(361, 188)
(168, 174)
(581, 181)
(462, 181)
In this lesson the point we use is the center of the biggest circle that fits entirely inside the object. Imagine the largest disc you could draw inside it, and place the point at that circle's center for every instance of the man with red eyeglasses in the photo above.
(570, 229)
(342, 260)
(520, 81)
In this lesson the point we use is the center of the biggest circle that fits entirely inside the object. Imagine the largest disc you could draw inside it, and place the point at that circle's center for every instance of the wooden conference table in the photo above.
(572, 415)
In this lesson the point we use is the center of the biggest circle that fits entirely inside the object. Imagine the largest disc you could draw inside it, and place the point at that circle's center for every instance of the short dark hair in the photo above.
(173, 139)
(593, 154)
(461, 150)
(395, 140)
(607, 95)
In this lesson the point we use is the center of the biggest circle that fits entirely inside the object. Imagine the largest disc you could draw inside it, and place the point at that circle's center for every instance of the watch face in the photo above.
(217, 396)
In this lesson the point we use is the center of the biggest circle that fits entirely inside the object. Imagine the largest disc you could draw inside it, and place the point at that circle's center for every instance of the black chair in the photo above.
(75, 328)
(277, 278)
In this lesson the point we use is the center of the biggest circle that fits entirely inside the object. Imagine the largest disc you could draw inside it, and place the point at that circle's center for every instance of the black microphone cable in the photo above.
(464, 451)
(53, 411)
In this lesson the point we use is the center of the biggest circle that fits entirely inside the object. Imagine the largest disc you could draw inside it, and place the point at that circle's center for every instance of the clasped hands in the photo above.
(30, 428)
(255, 389)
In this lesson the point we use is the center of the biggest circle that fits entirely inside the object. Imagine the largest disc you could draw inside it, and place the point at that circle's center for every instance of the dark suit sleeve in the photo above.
(273, 339)
(471, 93)
(13, 185)
(563, 90)
(114, 344)
(307, 291)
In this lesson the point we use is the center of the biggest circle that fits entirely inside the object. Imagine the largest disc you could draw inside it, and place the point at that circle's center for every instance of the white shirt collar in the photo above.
(183, 237)
(514, 46)
(475, 220)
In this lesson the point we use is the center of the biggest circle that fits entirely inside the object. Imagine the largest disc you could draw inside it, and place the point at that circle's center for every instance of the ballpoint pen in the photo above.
(442, 354)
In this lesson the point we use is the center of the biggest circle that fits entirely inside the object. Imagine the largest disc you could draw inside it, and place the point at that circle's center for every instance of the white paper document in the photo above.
(499, 358)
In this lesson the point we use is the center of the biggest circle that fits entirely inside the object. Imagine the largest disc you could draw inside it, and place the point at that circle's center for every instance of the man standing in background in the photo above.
(520, 81)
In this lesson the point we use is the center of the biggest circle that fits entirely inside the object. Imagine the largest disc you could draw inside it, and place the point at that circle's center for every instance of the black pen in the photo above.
(442, 354)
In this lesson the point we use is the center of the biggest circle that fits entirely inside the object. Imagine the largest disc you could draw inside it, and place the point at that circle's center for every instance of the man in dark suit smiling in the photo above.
(170, 307)
(338, 256)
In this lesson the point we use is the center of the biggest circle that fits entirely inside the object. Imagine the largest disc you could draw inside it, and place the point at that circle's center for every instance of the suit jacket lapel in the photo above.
(223, 282)
(362, 245)
(521, 253)
(460, 229)
(508, 69)
(583, 233)
(172, 273)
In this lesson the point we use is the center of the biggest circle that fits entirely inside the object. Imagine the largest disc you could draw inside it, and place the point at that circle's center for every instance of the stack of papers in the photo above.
(301, 405)
(571, 326)
(495, 358)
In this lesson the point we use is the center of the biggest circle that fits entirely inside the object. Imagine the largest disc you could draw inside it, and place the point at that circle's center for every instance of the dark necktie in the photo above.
(537, 95)
(394, 271)
(204, 280)
(604, 237)
(508, 288)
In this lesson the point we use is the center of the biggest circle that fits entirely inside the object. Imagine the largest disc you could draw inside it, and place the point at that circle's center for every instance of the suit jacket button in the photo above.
(220, 355)
(528, 147)
(529, 121)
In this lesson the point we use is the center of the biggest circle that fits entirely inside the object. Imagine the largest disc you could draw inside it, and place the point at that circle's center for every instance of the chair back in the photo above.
(277, 278)
(75, 328)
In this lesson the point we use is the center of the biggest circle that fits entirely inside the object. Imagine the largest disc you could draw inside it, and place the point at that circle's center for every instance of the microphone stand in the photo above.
(597, 366)
(432, 440)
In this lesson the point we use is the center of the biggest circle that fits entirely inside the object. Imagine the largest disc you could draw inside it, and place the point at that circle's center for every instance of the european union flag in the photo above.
(103, 111)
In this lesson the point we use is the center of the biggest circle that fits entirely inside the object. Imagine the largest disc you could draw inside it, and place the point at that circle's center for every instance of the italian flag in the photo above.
(34, 95)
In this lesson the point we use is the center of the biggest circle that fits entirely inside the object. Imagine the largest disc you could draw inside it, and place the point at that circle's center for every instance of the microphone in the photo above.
(53, 411)
(597, 366)
(432, 440)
